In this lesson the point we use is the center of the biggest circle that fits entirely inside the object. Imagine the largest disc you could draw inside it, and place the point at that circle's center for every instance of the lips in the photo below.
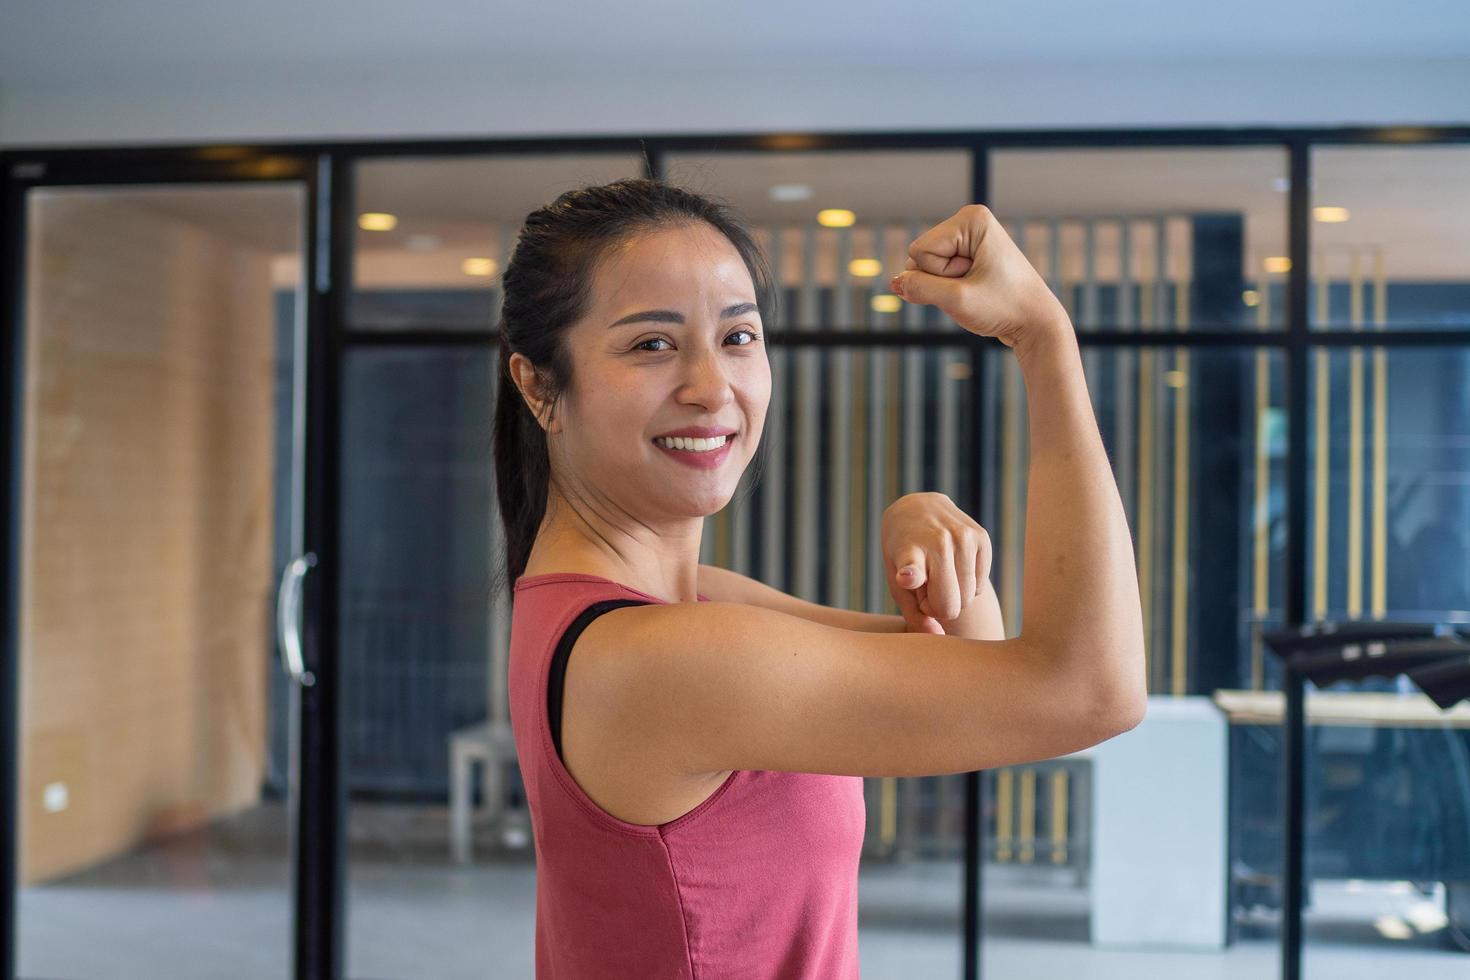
(708, 460)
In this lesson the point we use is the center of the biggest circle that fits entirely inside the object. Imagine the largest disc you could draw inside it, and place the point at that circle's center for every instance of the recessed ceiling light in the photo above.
(835, 218)
(864, 268)
(791, 192)
(1277, 263)
(479, 267)
(377, 221)
(1250, 297)
(887, 303)
(1330, 215)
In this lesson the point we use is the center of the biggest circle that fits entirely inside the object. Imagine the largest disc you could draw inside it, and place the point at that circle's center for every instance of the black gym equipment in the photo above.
(1434, 656)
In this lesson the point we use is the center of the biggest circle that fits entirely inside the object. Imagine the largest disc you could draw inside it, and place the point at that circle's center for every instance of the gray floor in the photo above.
(215, 905)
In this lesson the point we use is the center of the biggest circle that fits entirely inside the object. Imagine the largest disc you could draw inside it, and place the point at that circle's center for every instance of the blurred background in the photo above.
(249, 259)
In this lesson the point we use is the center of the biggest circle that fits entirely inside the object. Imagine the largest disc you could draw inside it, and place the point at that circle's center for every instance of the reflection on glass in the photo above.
(434, 234)
(1151, 239)
(158, 513)
(1390, 244)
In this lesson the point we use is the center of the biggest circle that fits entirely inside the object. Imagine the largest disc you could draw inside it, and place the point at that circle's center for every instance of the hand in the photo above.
(968, 267)
(937, 559)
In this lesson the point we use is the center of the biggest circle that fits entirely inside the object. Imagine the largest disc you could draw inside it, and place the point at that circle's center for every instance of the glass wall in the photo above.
(160, 502)
(1388, 772)
(1133, 241)
(1156, 854)
(1197, 437)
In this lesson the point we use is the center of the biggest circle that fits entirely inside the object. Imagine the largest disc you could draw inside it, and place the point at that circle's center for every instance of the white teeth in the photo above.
(692, 445)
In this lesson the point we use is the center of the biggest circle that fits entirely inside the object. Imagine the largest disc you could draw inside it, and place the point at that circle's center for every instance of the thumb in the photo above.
(910, 565)
(918, 286)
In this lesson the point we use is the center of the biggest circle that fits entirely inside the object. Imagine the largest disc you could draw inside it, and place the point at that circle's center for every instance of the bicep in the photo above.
(724, 585)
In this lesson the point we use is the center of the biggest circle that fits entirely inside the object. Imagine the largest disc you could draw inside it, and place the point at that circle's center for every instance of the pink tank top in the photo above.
(758, 882)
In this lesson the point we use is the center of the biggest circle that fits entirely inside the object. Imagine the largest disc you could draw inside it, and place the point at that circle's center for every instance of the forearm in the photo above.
(723, 585)
(1081, 597)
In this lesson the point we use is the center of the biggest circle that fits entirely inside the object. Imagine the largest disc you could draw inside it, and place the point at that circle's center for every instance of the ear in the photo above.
(528, 383)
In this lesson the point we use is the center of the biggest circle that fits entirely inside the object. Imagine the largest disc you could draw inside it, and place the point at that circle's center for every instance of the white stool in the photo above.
(491, 745)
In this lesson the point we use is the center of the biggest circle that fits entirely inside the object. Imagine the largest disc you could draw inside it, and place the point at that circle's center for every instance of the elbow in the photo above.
(1129, 706)
(1129, 715)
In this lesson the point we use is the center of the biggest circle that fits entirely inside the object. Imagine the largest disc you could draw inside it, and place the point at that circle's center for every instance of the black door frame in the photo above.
(328, 169)
(317, 872)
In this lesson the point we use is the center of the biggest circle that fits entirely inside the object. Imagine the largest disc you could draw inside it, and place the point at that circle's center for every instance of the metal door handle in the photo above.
(288, 619)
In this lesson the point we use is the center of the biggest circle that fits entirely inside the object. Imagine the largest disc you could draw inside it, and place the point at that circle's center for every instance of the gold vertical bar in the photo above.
(1380, 289)
(1355, 289)
(1319, 266)
(1262, 592)
(1059, 817)
(1319, 521)
(1380, 443)
(1179, 616)
(1028, 815)
(1355, 447)
(1004, 804)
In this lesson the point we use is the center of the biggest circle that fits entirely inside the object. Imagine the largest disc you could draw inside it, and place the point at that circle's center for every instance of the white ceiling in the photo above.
(72, 43)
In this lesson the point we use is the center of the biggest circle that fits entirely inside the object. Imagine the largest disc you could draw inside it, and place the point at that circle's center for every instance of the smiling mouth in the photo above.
(691, 445)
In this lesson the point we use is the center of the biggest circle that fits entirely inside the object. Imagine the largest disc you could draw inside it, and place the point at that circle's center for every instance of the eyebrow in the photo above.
(669, 316)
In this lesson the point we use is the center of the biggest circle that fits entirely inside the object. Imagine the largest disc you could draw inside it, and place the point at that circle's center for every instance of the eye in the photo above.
(643, 346)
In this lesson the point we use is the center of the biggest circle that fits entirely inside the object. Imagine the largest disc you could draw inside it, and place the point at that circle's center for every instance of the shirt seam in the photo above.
(683, 916)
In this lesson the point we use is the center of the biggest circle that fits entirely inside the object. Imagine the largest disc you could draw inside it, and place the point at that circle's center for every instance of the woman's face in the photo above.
(672, 338)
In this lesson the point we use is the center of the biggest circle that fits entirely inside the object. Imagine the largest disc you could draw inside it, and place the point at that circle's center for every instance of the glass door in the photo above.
(159, 566)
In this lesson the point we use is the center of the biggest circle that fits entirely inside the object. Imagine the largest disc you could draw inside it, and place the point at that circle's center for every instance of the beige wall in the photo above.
(145, 625)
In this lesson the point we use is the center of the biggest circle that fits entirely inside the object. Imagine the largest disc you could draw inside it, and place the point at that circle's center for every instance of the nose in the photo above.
(707, 383)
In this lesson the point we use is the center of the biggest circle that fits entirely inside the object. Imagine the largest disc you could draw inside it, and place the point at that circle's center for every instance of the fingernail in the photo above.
(897, 283)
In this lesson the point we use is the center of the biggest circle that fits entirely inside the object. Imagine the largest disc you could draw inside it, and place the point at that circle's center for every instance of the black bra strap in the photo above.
(563, 653)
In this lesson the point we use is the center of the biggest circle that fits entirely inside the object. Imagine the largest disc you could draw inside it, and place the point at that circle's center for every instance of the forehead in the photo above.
(677, 259)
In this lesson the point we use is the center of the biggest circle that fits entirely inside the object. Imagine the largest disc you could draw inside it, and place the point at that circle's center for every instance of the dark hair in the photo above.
(547, 285)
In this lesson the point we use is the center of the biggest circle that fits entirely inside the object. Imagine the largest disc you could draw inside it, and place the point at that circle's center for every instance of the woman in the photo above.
(694, 772)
